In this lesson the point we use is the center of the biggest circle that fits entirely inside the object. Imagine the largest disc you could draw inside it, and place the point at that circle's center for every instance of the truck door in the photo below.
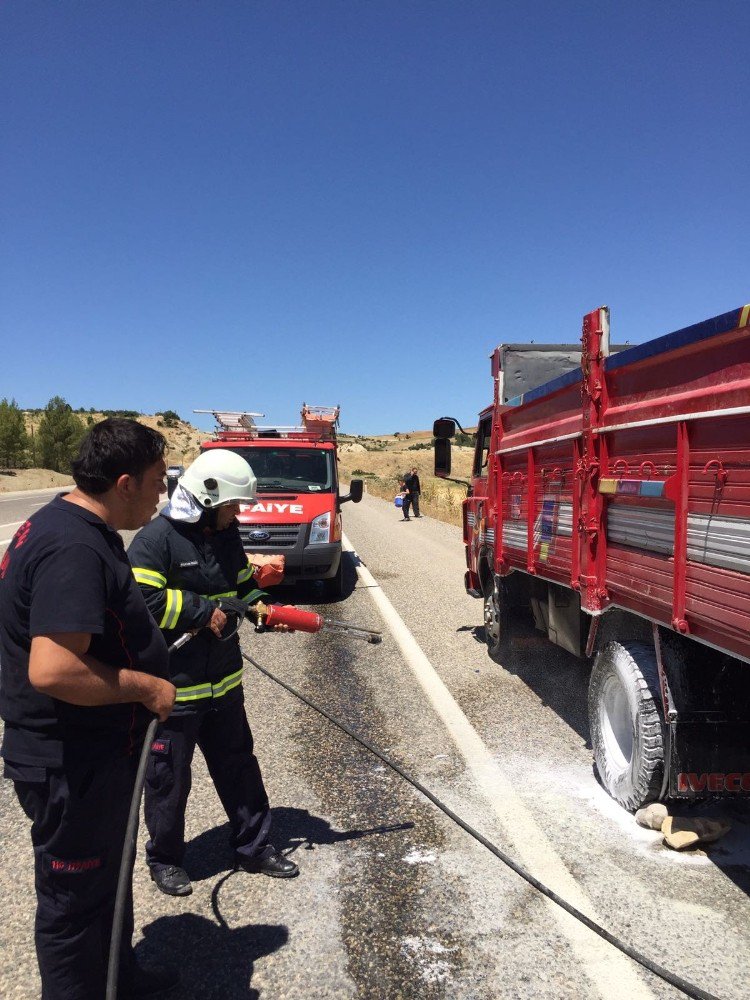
(479, 528)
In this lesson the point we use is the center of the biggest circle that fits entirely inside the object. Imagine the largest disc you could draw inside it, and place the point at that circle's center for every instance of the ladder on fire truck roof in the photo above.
(321, 420)
(236, 421)
(318, 424)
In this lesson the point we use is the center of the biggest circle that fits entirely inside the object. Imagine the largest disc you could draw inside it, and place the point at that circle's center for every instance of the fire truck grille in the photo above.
(283, 536)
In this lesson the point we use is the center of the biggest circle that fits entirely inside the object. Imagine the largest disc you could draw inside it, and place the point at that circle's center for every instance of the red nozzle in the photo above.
(286, 614)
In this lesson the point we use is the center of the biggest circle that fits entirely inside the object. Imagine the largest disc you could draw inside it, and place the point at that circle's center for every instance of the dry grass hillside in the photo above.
(183, 444)
(381, 460)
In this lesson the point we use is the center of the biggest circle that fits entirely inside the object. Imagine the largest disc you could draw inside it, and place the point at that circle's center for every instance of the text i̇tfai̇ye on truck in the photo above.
(298, 508)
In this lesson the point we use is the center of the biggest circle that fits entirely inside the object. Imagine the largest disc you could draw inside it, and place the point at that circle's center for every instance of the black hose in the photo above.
(128, 849)
(689, 989)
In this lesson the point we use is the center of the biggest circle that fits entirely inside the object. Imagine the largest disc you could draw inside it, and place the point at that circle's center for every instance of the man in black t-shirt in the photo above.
(84, 668)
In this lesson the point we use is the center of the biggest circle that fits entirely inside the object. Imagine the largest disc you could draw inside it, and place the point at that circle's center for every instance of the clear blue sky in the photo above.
(243, 204)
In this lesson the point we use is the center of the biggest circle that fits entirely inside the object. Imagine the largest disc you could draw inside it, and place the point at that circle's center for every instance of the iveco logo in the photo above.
(260, 536)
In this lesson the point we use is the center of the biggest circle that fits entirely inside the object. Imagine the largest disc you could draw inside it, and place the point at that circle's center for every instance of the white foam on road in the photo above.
(612, 974)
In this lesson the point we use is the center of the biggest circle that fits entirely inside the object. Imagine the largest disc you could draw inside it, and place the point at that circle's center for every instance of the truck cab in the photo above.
(298, 509)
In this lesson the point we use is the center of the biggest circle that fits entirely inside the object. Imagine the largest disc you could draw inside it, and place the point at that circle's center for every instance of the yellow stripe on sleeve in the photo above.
(149, 577)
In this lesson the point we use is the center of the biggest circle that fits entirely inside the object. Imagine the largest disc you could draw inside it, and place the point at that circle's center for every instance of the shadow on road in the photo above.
(215, 960)
(209, 853)
(314, 592)
(559, 679)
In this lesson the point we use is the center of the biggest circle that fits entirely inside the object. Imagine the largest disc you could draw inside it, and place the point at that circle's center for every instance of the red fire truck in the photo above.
(609, 508)
(298, 512)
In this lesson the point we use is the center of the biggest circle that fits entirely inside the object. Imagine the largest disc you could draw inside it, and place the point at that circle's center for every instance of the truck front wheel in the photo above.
(627, 733)
(334, 587)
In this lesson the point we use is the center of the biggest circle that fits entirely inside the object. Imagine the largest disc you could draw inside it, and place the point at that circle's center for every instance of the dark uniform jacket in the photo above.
(183, 570)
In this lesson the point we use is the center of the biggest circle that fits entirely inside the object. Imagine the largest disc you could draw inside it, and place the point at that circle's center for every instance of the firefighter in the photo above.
(83, 670)
(188, 562)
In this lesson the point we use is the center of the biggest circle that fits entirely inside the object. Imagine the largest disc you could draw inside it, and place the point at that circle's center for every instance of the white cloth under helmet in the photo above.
(183, 506)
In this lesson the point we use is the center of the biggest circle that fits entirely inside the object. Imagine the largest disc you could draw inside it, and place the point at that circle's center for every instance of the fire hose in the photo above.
(267, 616)
(128, 849)
(271, 616)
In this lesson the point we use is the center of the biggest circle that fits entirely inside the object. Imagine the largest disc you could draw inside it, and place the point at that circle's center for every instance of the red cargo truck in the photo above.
(610, 505)
(298, 511)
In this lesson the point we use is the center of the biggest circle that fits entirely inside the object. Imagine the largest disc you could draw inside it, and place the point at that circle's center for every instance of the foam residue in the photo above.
(430, 956)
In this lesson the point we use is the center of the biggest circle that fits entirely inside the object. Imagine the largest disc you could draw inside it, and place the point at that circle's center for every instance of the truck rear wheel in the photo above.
(627, 733)
(496, 621)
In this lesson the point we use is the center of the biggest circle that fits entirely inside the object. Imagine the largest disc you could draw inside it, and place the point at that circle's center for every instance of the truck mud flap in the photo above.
(709, 758)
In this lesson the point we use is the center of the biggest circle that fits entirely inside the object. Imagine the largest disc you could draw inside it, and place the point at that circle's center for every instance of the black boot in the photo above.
(274, 864)
(172, 880)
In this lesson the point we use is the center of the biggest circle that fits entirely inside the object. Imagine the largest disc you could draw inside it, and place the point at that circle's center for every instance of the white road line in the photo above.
(611, 972)
(10, 524)
(14, 497)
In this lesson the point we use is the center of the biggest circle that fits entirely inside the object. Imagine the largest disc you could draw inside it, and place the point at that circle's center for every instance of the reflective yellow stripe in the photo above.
(149, 577)
(215, 597)
(167, 610)
(193, 693)
(227, 684)
(177, 609)
(172, 609)
(199, 691)
(245, 574)
(745, 316)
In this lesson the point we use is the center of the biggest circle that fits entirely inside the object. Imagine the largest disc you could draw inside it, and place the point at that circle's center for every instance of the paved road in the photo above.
(395, 901)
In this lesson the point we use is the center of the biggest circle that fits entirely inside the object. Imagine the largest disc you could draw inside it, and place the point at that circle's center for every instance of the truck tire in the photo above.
(496, 622)
(628, 736)
(334, 587)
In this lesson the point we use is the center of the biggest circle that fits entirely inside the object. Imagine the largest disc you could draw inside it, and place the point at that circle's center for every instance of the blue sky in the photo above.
(245, 205)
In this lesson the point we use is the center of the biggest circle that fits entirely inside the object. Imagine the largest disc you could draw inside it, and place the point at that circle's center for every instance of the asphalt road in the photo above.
(16, 507)
(394, 900)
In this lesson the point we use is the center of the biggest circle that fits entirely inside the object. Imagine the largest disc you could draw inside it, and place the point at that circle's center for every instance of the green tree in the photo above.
(60, 433)
(170, 417)
(13, 438)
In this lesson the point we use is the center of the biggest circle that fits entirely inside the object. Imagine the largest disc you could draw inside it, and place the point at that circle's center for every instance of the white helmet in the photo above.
(219, 476)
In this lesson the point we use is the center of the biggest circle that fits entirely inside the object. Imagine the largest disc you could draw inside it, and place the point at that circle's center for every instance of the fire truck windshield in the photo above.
(290, 470)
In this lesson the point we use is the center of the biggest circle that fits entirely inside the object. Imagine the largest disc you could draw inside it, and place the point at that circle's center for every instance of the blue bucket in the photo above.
(398, 502)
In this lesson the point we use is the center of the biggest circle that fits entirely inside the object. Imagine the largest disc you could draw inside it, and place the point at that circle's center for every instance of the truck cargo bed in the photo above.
(629, 480)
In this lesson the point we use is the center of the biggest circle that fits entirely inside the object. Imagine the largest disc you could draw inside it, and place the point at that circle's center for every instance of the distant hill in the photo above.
(183, 440)
(381, 460)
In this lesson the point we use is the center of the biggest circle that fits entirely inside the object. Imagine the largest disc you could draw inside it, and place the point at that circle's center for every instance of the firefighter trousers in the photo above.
(224, 738)
(79, 813)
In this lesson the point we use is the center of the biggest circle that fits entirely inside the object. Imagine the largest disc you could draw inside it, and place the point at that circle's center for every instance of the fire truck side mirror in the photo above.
(356, 487)
(173, 474)
(444, 428)
(442, 457)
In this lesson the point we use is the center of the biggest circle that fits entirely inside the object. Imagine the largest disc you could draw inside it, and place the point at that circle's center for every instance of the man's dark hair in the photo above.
(113, 448)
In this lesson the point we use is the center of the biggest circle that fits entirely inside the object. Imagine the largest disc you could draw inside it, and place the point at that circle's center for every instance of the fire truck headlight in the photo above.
(320, 529)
